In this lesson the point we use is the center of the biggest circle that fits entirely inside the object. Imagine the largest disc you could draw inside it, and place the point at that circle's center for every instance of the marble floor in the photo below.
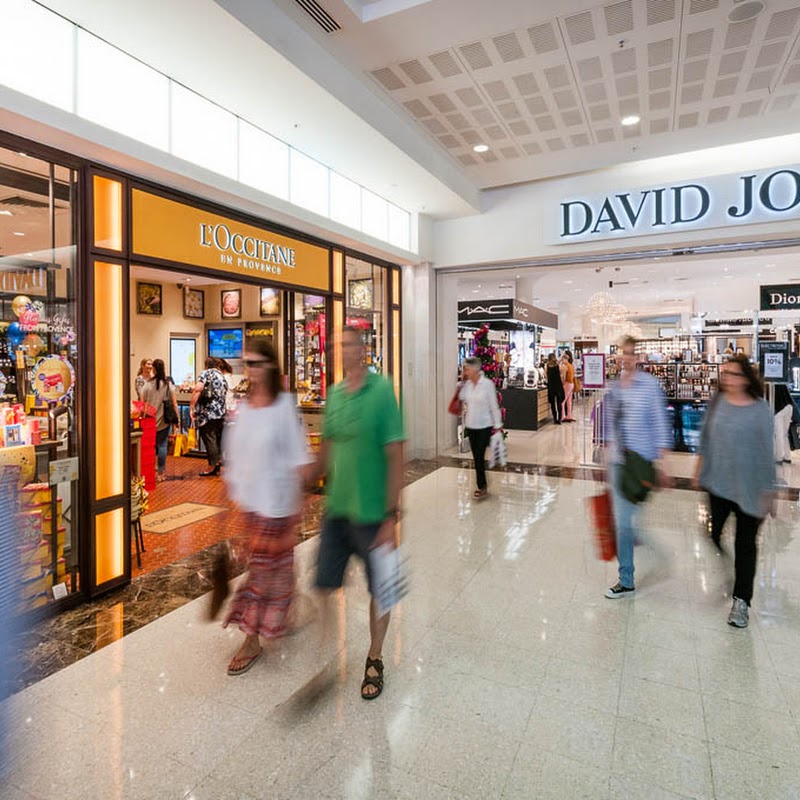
(508, 674)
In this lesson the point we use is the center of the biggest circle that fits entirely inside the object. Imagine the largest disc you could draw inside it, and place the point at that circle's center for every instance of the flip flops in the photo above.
(246, 664)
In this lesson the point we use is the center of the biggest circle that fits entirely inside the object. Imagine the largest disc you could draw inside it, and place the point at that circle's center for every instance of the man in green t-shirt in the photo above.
(362, 454)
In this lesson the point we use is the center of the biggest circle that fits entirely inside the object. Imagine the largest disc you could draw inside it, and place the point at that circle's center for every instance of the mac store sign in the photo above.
(743, 198)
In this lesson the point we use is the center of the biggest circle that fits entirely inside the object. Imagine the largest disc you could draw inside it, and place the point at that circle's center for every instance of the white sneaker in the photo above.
(740, 614)
(617, 591)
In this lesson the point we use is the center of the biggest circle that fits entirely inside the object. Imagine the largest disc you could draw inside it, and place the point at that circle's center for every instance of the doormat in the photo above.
(178, 517)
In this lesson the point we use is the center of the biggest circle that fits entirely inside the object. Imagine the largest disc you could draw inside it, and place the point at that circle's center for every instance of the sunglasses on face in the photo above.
(257, 362)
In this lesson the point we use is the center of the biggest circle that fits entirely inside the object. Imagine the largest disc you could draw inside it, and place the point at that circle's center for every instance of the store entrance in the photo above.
(192, 323)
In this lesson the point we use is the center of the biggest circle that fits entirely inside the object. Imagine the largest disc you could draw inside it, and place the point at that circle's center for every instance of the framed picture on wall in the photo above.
(231, 304)
(270, 302)
(194, 303)
(148, 299)
(360, 293)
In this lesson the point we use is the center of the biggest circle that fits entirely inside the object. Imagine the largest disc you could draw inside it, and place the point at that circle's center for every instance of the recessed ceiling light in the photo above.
(631, 119)
(18, 233)
(481, 148)
(569, 281)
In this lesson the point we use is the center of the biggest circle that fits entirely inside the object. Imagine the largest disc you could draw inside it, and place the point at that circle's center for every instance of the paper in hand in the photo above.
(389, 575)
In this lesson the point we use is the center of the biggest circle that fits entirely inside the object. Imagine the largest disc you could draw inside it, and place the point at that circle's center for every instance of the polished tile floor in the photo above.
(508, 674)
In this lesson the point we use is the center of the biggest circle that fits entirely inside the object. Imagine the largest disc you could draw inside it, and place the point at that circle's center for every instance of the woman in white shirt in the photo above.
(266, 457)
(483, 416)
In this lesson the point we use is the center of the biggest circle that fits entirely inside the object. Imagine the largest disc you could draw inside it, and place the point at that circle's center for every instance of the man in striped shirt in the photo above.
(636, 414)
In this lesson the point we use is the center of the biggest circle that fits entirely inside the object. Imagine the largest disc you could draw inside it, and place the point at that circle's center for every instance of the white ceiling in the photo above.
(545, 84)
(655, 287)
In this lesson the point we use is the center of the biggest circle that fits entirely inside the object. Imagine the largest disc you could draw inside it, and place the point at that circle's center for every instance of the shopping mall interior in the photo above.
(246, 191)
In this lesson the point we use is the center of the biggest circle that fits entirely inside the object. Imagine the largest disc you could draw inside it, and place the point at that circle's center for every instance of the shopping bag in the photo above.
(455, 404)
(389, 569)
(191, 441)
(180, 445)
(497, 450)
(602, 514)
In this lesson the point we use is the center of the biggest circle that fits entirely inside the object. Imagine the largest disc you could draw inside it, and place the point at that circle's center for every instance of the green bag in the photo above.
(637, 477)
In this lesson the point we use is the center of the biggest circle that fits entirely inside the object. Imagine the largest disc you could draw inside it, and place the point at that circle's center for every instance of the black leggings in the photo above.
(479, 440)
(556, 404)
(211, 434)
(746, 551)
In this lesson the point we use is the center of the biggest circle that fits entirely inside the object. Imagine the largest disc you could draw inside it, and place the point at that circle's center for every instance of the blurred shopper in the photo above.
(207, 410)
(362, 454)
(567, 371)
(737, 469)
(638, 431)
(266, 457)
(784, 410)
(482, 417)
(142, 376)
(555, 388)
(156, 392)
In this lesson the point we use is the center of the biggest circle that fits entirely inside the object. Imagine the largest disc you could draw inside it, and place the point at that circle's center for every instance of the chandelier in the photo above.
(604, 310)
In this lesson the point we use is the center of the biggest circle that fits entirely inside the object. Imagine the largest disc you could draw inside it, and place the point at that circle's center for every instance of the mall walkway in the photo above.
(508, 675)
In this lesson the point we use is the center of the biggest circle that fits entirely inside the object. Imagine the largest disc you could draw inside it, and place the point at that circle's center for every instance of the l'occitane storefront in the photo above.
(249, 279)
(79, 304)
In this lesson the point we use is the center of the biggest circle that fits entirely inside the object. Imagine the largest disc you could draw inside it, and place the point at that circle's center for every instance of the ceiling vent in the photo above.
(319, 15)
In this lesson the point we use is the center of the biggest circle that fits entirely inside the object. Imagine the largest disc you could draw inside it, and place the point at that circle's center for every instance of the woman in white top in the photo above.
(483, 416)
(266, 459)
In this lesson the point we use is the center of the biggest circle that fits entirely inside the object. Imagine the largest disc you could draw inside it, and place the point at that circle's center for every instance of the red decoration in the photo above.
(482, 349)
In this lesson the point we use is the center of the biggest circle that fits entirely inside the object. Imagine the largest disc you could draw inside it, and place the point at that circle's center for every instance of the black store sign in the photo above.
(780, 296)
(485, 310)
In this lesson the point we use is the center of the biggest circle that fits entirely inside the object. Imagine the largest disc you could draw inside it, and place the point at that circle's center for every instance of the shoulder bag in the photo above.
(638, 474)
(170, 417)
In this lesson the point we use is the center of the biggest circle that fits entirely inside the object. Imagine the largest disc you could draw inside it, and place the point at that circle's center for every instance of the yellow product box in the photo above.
(32, 571)
(47, 525)
(34, 602)
(29, 525)
(22, 456)
(59, 538)
(34, 494)
(61, 570)
(34, 553)
(42, 583)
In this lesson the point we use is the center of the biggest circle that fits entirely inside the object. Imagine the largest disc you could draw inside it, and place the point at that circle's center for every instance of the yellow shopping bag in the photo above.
(191, 442)
(180, 445)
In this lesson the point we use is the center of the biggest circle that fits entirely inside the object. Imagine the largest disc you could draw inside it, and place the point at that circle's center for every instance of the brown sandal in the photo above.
(376, 681)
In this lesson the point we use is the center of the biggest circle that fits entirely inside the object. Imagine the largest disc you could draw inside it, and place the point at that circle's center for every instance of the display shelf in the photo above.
(664, 374)
(696, 381)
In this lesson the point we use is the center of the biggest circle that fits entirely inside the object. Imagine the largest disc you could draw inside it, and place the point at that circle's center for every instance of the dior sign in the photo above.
(720, 201)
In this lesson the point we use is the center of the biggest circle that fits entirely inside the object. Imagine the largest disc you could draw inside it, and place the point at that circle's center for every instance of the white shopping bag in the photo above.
(497, 450)
(390, 576)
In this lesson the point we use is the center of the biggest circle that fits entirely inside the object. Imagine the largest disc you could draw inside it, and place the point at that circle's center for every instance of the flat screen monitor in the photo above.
(225, 342)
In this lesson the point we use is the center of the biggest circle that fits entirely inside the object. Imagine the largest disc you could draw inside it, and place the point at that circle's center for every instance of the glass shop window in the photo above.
(39, 430)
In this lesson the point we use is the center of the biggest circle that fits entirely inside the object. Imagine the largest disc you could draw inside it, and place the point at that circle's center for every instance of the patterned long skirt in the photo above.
(263, 601)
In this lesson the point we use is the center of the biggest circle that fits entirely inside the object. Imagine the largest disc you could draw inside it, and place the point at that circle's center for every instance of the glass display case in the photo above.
(365, 295)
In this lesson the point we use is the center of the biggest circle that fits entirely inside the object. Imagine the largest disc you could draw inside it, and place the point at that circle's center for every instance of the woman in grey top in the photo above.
(737, 470)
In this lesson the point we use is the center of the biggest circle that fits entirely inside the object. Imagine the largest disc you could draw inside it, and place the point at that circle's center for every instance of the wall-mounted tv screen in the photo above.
(225, 342)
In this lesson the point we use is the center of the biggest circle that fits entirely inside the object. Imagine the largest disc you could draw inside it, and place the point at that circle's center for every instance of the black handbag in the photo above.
(638, 474)
(638, 477)
(170, 417)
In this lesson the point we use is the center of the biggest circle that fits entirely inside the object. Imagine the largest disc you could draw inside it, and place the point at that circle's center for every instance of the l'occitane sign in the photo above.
(179, 232)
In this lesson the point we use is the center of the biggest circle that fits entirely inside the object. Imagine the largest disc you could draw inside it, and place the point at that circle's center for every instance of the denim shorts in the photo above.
(340, 539)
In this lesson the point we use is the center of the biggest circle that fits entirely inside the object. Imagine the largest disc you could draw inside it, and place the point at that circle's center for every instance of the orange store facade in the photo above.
(120, 226)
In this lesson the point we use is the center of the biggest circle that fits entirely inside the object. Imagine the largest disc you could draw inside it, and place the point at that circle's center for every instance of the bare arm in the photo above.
(319, 467)
(197, 390)
(394, 485)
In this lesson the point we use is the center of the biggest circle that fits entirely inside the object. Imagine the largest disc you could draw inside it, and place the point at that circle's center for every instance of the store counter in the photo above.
(526, 409)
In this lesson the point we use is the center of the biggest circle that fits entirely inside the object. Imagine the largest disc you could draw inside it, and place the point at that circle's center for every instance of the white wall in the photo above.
(515, 221)
(150, 335)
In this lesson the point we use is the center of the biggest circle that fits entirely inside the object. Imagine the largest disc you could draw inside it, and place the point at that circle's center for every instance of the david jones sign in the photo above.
(741, 199)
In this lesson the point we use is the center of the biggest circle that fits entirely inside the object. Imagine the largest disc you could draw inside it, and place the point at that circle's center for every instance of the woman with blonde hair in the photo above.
(142, 376)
